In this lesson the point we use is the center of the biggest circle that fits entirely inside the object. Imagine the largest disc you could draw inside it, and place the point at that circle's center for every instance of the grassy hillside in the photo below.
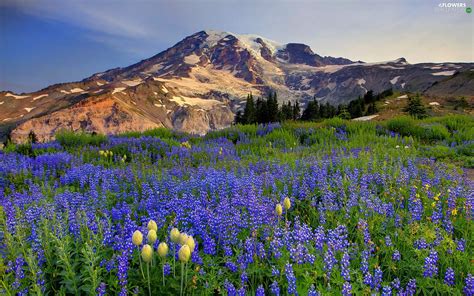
(308, 208)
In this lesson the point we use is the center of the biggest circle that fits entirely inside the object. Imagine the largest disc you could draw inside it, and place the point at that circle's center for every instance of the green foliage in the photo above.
(69, 139)
(415, 107)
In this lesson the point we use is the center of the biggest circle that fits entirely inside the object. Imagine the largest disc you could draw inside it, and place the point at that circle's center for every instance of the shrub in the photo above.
(69, 139)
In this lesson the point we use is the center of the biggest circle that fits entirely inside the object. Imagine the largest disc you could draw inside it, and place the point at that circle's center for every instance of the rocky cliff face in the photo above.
(199, 83)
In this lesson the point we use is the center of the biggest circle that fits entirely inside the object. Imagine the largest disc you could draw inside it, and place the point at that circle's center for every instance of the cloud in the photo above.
(367, 30)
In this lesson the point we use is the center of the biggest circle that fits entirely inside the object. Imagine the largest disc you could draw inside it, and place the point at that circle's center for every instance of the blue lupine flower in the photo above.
(449, 277)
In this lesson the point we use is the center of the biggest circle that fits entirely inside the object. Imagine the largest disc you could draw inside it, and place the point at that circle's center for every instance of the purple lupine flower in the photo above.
(469, 285)
(345, 269)
(378, 274)
(396, 284)
(244, 278)
(386, 291)
(260, 291)
(411, 287)
(312, 291)
(460, 245)
(275, 271)
(329, 262)
(396, 255)
(388, 241)
(346, 289)
(167, 269)
(231, 266)
(101, 289)
(275, 289)
(290, 277)
(449, 277)
(431, 265)
(230, 288)
(368, 279)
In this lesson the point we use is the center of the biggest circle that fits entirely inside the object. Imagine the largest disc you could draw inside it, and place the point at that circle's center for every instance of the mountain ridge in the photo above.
(200, 82)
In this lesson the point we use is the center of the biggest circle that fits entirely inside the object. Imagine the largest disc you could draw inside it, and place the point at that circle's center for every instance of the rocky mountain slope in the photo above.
(199, 83)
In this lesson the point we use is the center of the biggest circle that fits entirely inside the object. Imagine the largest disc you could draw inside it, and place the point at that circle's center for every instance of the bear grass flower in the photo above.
(279, 210)
(174, 236)
(162, 249)
(287, 203)
(147, 256)
(137, 238)
(152, 225)
(147, 253)
(162, 252)
(151, 236)
(190, 242)
(184, 254)
(183, 237)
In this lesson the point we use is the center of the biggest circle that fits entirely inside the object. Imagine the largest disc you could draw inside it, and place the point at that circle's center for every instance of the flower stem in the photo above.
(182, 277)
(140, 259)
(174, 260)
(163, 270)
(148, 274)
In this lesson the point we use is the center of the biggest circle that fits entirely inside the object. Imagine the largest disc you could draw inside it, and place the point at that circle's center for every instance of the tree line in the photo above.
(265, 110)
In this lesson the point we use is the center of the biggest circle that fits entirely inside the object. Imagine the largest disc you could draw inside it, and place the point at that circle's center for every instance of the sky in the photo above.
(43, 42)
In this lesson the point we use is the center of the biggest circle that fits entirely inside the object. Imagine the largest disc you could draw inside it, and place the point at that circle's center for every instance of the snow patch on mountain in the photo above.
(39, 97)
(76, 90)
(191, 59)
(444, 73)
(394, 80)
(29, 109)
(132, 82)
(118, 89)
(15, 96)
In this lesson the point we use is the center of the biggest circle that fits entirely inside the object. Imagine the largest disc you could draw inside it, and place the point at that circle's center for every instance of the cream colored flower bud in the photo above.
(162, 249)
(152, 225)
(287, 203)
(182, 238)
(147, 253)
(190, 242)
(184, 253)
(151, 236)
(174, 235)
(137, 238)
(279, 209)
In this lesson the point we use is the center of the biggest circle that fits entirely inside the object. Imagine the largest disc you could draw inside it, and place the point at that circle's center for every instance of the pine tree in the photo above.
(415, 107)
(250, 113)
(272, 108)
(312, 111)
(296, 110)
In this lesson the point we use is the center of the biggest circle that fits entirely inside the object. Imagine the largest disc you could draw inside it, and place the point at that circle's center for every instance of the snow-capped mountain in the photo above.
(199, 83)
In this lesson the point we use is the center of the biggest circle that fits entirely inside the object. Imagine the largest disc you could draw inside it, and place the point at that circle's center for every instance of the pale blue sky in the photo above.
(50, 41)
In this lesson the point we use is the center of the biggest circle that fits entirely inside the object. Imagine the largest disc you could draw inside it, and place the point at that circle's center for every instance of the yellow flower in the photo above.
(433, 204)
(437, 197)
(184, 253)
(182, 238)
(190, 242)
(279, 210)
(287, 203)
(174, 235)
(147, 253)
(163, 249)
(454, 211)
(151, 236)
(152, 225)
(137, 238)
